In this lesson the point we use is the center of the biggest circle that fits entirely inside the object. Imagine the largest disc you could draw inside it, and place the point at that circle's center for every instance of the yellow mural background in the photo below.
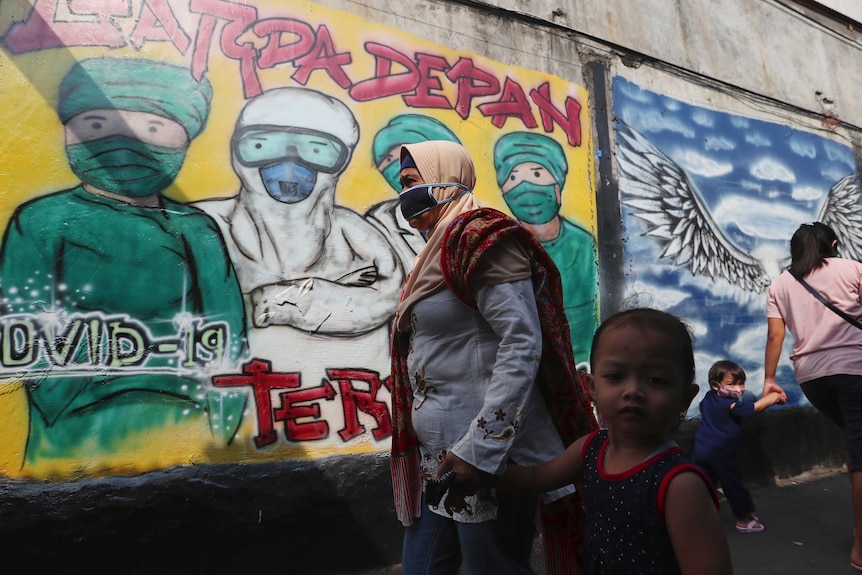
(34, 162)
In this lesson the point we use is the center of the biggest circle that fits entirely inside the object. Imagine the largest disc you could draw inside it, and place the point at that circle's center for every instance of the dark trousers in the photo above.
(839, 397)
(722, 469)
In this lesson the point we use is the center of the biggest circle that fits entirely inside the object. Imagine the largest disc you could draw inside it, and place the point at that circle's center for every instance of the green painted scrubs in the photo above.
(158, 266)
(574, 252)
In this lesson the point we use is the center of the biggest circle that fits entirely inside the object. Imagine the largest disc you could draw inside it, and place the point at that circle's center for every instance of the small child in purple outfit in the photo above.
(716, 442)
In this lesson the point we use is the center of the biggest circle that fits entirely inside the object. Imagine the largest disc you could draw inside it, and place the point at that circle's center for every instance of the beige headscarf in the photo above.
(437, 161)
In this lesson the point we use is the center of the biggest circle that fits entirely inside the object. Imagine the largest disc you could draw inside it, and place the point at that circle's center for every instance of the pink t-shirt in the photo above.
(824, 344)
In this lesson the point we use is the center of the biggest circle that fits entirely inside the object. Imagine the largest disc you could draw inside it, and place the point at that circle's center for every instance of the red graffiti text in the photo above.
(300, 408)
(235, 30)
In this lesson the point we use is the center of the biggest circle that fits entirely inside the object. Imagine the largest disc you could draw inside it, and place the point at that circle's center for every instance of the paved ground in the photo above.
(809, 526)
(809, 529)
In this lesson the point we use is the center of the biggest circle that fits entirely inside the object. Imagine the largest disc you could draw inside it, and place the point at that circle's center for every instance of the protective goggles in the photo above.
(419, 199)
(257, 146)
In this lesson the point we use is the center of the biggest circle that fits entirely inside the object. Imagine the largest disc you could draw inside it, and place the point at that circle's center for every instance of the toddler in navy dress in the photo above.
(648, 508)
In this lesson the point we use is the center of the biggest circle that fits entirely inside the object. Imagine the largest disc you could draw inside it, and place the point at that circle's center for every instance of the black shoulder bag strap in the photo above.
(826, 302)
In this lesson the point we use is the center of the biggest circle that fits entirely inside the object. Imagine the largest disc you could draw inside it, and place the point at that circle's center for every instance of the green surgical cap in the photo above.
(525, 147)
(409, 129)
(139, 86)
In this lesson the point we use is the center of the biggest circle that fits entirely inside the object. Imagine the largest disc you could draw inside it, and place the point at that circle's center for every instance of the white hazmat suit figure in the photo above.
(320, 282)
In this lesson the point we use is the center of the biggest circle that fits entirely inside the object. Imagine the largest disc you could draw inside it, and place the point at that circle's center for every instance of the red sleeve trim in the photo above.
(665, 483)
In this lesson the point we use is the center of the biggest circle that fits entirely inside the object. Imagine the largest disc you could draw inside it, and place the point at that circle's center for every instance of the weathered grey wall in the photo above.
(768, 48)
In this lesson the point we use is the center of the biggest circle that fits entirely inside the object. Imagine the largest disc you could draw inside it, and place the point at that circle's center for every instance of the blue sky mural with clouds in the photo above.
(756, 181)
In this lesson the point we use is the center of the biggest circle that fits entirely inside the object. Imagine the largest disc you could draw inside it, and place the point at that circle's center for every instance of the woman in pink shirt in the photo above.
(827, 349)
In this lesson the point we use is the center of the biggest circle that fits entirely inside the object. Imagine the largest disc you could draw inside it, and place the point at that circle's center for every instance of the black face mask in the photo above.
(419, 199)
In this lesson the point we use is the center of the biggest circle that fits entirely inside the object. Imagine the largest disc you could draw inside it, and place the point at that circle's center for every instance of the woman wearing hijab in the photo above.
(826, 345)
(482, 374)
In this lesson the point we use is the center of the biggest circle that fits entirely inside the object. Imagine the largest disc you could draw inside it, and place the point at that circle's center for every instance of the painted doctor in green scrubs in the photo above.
(531, 172)
(116, 251)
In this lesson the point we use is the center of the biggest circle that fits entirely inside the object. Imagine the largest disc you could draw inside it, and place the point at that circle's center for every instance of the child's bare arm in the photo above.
(695, 528)
(767, 400)
(553, 474)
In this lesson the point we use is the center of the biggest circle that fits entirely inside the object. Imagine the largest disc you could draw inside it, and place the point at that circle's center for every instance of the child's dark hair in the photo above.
(810, 245)
(720, 369)
(644, 318)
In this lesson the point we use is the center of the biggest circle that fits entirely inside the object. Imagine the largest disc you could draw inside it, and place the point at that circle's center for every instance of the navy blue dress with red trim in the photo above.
(625, 531)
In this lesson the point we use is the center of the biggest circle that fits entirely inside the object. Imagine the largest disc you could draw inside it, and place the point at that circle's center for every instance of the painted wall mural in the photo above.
(710, 201)
(202, 250)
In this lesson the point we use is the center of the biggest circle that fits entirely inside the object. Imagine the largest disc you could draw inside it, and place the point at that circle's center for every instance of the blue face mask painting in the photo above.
(289, 159)
(419, 199)
(288, 182)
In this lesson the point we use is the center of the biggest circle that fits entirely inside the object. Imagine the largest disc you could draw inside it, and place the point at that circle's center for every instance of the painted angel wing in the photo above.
(842, 211)
(659, 192)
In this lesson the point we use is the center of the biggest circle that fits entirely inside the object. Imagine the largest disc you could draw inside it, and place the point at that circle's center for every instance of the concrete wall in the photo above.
(207, 376)
(730, 43)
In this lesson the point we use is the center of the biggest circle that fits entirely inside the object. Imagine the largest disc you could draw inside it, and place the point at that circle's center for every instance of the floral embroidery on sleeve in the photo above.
(504, 434)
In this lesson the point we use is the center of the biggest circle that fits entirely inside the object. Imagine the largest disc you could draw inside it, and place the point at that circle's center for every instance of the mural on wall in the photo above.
(531, 172)
(116, 298)
(202, 250)
(710, 200)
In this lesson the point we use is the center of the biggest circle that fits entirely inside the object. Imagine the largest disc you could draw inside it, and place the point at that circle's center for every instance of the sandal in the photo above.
(753, 526)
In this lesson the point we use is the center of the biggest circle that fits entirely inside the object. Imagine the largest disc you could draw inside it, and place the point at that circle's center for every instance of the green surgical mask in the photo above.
(533, 204)
(125, 166)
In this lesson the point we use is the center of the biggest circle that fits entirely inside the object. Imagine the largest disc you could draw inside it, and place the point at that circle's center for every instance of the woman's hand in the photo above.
(770, 386)
(468, 479)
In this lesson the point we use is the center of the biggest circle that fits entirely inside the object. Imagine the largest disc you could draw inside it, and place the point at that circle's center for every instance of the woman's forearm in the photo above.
(774, 343)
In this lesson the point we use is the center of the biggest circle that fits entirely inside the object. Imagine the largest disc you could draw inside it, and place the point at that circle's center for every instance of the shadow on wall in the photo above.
(781, 443)
(333, 515)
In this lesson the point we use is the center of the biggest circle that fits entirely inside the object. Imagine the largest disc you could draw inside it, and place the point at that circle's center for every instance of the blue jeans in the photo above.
(437, 545)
